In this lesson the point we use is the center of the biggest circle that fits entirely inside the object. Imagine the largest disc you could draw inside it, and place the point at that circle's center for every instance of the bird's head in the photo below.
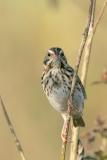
(55, 58)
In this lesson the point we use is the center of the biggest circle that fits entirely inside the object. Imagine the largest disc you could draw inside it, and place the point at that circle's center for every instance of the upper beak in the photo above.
(54, 55)
(56, 58)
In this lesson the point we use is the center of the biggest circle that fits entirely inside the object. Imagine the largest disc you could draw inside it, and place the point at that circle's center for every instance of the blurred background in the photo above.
(27, 30)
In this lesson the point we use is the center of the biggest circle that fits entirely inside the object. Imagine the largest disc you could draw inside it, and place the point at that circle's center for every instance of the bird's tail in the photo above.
(78, 121)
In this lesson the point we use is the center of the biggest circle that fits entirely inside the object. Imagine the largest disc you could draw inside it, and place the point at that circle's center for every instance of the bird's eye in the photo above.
(62, 54)
(49, 54)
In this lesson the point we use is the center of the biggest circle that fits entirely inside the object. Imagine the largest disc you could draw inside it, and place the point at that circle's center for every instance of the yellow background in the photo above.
(27, 30)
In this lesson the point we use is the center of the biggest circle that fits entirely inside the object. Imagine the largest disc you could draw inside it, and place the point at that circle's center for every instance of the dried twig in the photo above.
(87, 50)
(88, 47)
(17, 142)
(82, 45)
(100, 15)
(87, 43)
(75, 134)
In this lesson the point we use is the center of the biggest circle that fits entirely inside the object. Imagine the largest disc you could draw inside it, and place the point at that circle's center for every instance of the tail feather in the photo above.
(78, 121)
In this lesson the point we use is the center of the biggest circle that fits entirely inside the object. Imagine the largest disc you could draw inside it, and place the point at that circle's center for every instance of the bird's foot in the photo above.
(65, 138)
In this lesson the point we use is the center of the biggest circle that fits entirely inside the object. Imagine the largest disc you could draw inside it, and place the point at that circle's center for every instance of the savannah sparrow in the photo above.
(56, 82)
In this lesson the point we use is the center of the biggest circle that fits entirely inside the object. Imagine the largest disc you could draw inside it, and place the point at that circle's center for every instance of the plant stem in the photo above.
(75, 131)
(17, 142)
(86, 45)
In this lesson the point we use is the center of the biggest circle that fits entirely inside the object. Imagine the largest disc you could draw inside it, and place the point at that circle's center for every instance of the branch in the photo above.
(100, 15)
(17, 142)
(87, 44)
(75, 131)
(88, 47)
(80, 52)
(88, 50)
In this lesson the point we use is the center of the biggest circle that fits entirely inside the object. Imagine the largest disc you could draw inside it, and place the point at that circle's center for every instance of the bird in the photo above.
(56, 82)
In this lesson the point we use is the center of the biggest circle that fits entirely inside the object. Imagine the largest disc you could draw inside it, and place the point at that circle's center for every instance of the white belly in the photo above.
(58, 98)
(58, 91)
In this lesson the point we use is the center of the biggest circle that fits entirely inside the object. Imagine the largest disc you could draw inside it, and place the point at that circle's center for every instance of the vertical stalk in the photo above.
(88, 45)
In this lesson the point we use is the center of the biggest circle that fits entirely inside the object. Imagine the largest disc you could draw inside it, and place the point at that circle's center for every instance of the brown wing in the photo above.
(71, 71)
(82, 87)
